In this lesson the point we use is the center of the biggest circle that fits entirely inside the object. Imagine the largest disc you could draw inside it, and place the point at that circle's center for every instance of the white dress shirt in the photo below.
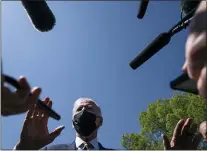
(79, 142)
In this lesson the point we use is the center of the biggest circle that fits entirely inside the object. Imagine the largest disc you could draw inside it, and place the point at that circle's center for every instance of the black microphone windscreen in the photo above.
(188, 5)
(142, 8)
(157, 44)
(40, 14)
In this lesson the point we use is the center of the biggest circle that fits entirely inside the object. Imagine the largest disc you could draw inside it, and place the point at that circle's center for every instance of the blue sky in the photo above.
(87, 54)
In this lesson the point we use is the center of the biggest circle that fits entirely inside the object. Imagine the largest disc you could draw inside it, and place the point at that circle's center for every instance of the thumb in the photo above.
(166, 142)
(184, 68)
(56, 133)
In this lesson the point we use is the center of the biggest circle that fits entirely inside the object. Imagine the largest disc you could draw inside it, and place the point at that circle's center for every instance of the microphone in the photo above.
(162, 40)
(40, 14)
(188, 5)
(142, 8)
(40, 103)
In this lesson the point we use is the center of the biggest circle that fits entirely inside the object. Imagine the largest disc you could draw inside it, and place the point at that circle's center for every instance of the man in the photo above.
(196, 49)
(86, 119)
(19, 101)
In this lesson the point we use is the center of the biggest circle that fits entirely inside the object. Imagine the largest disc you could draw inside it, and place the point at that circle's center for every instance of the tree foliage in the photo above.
(161, 117)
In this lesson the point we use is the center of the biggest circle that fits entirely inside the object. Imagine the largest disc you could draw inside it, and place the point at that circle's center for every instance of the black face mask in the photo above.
(85, 123)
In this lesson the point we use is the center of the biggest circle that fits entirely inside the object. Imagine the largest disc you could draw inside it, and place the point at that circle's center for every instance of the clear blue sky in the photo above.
(87, 54)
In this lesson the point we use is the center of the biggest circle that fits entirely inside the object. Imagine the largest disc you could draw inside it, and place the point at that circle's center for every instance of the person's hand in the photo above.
(19, 101)
(183, 137)
(35, 134)
(196, 49)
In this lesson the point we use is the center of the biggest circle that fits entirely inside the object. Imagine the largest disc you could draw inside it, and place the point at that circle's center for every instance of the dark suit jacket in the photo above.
(71, 146)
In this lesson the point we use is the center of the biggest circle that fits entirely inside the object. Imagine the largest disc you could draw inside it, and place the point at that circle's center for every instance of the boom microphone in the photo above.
(40, 14)
(161, 41)
(142, 9)
(157, 44)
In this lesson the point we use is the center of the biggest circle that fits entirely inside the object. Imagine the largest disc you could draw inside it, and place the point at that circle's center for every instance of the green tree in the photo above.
(161, 117)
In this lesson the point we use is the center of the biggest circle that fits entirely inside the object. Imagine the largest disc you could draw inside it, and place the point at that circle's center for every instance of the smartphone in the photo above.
(40, 103)
(184, 83)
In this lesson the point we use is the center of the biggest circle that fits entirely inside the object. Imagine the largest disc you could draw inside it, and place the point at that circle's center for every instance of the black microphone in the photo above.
(40, 103)
(40, 14)
(142, 8)
(188, 5)
(157, 44)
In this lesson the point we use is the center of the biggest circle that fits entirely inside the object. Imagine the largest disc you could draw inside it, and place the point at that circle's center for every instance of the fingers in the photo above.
(196, 54)
(30, 113)
(184, 68)
(24, 91)
(55, 133)
(178, 128)
(48, 102)
(177, 133)
(15, 105)
(23, 83)
(202, 83)
(186, 127)
(32, 99)
(40, 112)
(166, 142)
(35, 112)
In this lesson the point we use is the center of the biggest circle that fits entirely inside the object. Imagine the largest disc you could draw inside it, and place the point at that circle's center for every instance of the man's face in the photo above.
(86, 104)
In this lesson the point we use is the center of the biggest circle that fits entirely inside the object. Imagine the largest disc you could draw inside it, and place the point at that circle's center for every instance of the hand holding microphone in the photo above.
(19, 101)
(22, 100)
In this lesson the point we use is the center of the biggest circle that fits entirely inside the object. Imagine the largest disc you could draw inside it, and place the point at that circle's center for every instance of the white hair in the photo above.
(88, 99)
